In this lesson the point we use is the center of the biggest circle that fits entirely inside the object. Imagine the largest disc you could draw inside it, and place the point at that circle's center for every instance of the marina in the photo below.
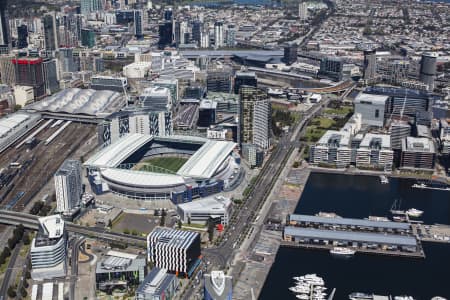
(357, 197)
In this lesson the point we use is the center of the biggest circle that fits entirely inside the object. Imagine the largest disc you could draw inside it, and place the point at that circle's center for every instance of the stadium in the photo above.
(176, 168)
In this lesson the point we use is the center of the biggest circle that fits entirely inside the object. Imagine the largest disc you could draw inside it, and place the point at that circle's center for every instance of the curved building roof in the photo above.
(78, 101)
(141, 179)
(112, 155)
(205, 162)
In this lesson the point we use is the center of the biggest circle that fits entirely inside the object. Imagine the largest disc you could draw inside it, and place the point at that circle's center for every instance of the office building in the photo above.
(87, 37)
(290, 53)
(218, 286)
(375, 152)
(403, 102)
(110, 83)
(181, 29)
(156, 99)
(372, 108)
(418, 153)
(119, 270)
(22, 36)
(50, 32)
(134, 17)
(7, 70)
(230, 38)
(29, 71)
(165, 35)
(428, 69)
(197, 29)
(201, 210)
(48, 249)
(170, 83)
(177, 251)
(370, 65)
(207, 113)
(50, 72)
(68, 186)
(253, 154)
(90, 6)
(5, 34)
(254, 117)
(204, 39)
(158, 285)
(398, 131)
(219, 80)
(303, 11)
(244, 78)
(66, 61)
(218, 35)
(332, 67)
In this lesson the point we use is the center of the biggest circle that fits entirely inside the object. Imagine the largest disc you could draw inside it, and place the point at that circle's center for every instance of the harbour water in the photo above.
(358, 197)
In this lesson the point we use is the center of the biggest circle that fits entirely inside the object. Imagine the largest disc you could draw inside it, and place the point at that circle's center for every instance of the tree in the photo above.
(110, 223)
(12, 292)
(23, 292)
(17, 107)
(210, 229)
(126, 231)
(179, 224)
(189, 220)
(7, 252)
(26, 239)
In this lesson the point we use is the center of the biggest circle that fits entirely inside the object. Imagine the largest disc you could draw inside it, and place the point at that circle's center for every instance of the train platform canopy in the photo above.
(349, 222)
(77, 101)
(349, 236)
(112, 155)
(207, 160)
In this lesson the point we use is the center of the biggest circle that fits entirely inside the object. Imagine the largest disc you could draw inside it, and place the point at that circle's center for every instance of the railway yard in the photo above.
(26, 167)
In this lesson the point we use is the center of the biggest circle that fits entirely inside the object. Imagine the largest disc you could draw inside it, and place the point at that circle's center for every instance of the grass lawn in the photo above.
(169, 163)
(343, 111)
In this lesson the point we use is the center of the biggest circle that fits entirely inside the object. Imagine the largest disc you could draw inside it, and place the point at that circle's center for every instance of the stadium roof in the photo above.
(141, 179)
(205, 162)
(349, 222)
(182, 139)
(114, 154)
(376, 238)
(78, 101)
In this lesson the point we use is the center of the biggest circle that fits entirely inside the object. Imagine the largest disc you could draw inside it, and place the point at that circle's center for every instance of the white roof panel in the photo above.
(205, 162)
(142, 179)
(114, 154)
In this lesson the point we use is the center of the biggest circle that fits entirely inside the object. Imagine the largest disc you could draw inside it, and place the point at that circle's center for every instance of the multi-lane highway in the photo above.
(5, 284)
(222, 255)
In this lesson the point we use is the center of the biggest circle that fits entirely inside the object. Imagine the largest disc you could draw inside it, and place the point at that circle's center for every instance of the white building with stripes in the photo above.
(177, 251)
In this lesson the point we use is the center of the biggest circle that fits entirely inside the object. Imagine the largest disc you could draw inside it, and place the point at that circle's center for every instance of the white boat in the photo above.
(384, 179)
(342, 251)
(302, 297)
(403, 298)
(327, 215)
(412, 212)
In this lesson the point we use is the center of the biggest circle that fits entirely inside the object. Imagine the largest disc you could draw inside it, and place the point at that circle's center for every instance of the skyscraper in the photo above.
(49, 69)
(197, 28)
(370, 65)
(290, 53)
(50, 33)
(87, 37)
(302, 11)
(68, 185)
(22, 36)
(254, 117)
(89, 6)
(428, 69)
(29, 72)
(165, 35)
(218, 35)
(244, 78)
(231, 36)
(5, 35)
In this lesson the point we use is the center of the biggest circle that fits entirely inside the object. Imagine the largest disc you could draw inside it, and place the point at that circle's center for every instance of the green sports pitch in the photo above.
(159, 164)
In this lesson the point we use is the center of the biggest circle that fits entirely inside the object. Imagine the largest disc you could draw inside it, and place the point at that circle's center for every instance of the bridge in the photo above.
(31, 222)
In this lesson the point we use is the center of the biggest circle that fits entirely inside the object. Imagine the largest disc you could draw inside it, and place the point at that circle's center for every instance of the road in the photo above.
(221, 256)
(74, 266)
(5, 284)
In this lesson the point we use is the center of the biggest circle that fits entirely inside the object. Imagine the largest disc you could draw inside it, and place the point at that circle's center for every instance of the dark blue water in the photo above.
(361, 196)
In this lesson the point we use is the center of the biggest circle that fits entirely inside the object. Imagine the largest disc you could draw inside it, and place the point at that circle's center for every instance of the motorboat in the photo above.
(342, 251)
(412, 212)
